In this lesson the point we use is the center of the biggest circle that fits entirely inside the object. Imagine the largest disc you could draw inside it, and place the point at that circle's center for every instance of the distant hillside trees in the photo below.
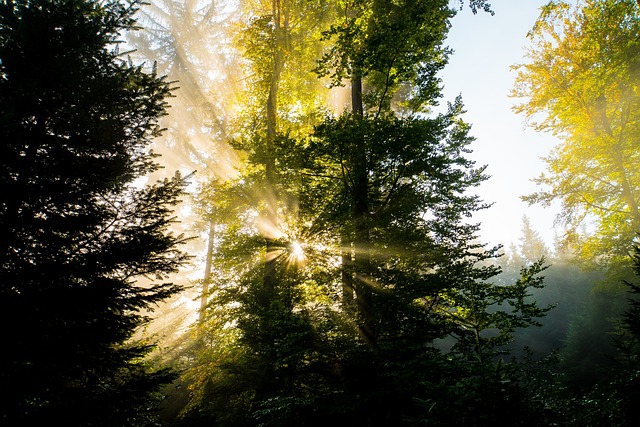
(84, 250)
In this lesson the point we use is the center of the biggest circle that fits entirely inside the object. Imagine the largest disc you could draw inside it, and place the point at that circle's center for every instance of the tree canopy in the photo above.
(344, 249)
(85, 250)
(581, 84)
(344, 281)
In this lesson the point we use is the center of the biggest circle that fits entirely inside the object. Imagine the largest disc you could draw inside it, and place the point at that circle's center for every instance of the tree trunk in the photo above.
(269, 281)
(346, 275)
(206, 280)
(356, 95)
(360, 194)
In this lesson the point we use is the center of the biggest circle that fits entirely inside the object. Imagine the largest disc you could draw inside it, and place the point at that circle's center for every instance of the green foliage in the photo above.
(571, 291)
(627, 378)
(588, 348)
(476, 5)
(488, 314)
(514, 393)
(581, 83)
(389, 43)
(415, 166)
(632, 314)
(84, 251)
(343, 330)
(278, 47)
(613, 400)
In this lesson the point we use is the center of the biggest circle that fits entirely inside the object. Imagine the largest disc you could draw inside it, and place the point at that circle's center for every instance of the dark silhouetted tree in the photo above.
(85, 251)
(629, 344)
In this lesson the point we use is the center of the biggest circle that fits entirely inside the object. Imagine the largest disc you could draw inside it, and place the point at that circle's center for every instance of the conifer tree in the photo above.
(532, 246)
(85, 251)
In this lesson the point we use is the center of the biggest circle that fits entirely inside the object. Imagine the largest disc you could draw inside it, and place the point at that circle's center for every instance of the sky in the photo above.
(485, 47)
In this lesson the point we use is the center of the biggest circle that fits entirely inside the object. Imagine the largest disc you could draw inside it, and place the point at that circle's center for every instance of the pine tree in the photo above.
(532, 246)
(629, 344)
(85, 251)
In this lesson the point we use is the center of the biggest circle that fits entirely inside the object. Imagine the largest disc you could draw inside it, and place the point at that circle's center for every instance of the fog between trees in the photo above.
(336, 273)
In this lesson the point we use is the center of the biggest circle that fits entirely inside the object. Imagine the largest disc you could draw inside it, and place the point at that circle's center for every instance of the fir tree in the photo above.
(84, 250)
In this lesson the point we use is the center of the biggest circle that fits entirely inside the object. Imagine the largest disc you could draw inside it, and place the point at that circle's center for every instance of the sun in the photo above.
(296, 255)
(297, 251)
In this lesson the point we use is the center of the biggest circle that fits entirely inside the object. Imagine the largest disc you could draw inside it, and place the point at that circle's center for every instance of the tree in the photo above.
(629, 343)
(402, 181)
(483, 386)
(377, 239)
(614, 399)
(381, 47)
(191, 42)
(85, 250)
(532, 246)
(489, 314)
(581, 84)
(258, 220)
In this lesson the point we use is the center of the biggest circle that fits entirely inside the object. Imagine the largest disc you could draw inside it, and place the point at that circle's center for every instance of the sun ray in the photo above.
(297, 251)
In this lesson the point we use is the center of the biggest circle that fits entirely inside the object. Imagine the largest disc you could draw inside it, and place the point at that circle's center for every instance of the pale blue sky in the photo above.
(485, 47)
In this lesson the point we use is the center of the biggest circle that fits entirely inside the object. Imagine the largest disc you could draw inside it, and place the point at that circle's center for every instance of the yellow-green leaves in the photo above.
(581, 84)
(389, 44)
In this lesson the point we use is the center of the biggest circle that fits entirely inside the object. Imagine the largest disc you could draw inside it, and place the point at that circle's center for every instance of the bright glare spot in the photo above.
(295, 254)
(296, 250)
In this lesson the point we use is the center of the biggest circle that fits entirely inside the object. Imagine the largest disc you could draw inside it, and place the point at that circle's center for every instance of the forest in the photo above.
(244, 213)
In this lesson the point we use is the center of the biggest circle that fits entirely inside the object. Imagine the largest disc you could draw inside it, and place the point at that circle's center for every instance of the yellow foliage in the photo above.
(581, 84)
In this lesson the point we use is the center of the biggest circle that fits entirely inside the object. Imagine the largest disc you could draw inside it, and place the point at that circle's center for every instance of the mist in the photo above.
(194, 45)
(310, 213)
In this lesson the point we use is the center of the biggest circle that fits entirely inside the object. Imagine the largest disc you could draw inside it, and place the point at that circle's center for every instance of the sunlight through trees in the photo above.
(581, 83)
(337, 274)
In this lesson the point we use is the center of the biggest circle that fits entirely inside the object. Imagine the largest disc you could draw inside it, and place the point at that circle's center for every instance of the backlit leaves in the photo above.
(581, 83)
